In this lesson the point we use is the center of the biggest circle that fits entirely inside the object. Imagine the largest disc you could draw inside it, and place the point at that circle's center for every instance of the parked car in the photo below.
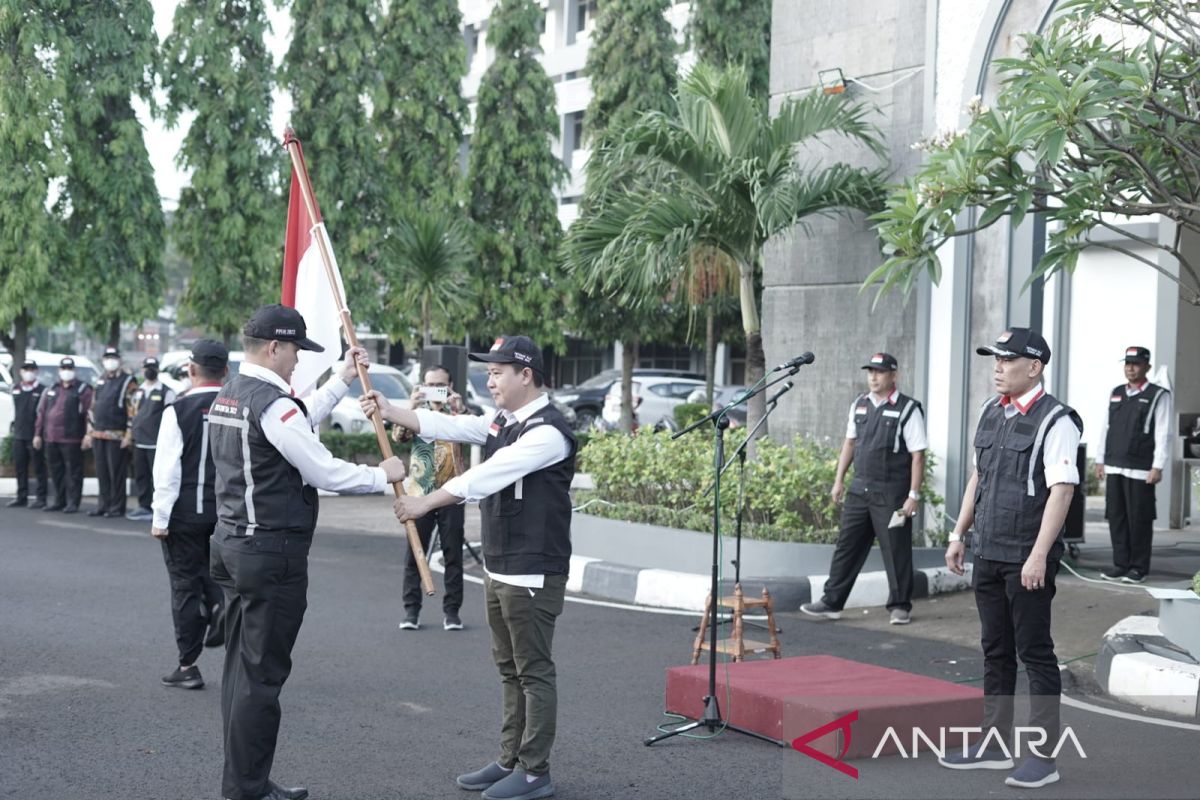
(479, 399)
(47, 363)
(8, 409)
(173, 368)
(722, 396)
(347, 415)
(587, 399)
(658, 395)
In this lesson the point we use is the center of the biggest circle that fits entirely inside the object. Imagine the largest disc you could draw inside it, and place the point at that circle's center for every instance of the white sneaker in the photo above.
(900, 617)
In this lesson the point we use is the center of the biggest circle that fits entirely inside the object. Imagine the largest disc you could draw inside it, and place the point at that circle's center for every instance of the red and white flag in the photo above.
(306, 288)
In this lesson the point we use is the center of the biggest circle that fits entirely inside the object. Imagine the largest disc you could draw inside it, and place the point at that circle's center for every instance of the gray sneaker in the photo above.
(900, 617)
(520, 785)
(820, 609)
(481, 779)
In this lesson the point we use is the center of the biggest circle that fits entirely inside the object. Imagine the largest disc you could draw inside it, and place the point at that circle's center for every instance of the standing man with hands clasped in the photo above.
(523, 490)
(886, 439)
(61, 428)
(109, 434)
(1017, 499)
(27, 396)
(269, 464)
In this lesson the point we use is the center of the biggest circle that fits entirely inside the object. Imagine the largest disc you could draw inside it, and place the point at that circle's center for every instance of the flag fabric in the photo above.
(306, 288)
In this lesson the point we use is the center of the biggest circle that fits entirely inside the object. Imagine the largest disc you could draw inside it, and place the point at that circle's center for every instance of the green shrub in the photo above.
(358, 448)
(1196, 583)
(687, 413)
(6, 451)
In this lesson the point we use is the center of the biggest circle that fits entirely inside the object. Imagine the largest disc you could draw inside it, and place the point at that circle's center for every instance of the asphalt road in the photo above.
(373, 712)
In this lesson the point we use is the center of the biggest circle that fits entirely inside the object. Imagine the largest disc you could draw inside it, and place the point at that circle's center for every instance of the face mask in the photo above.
(150, 373)
(28, 375)
(66, 375)
(111, 364)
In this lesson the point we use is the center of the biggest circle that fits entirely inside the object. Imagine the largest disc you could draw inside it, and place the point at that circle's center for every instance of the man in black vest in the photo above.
(184, 511)
(1017, 500)
(109, 435)
(1135, 444)
(61, 428)
(270, 463)
(523, 490)
(151, 399)
(26, 394)
(886, 439)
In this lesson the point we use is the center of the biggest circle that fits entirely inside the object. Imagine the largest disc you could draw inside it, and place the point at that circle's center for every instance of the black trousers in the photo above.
(112, 470)
(862, 523)
(65, 462)
(1015, 624)
(143, 476)
(25, 458)
(1129, 506)
(265, 580)
(450, 522)
(195, 597)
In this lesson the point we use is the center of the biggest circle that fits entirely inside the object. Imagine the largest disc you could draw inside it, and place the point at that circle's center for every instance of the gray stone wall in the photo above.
(812, 298)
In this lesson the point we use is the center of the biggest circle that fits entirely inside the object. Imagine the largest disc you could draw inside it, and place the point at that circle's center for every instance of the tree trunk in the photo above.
(19, 341)
(114, 332)
(628, 357)
(756, 359)
(710, 351)
(427, 338)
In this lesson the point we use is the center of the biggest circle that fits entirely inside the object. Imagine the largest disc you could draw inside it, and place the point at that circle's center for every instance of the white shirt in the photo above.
(915, 438)
(537, 448)
(168, 469)
(294, 435)
(1061, 445)
(168, 398)
(1162, 435)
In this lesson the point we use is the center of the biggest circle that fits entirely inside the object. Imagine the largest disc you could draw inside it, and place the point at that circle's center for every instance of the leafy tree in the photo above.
(512, 177)
(1084, 130)
(230, 218)
(735, 32)
(32, 93)
(431, 253)
(631, 63)
(112, 211)
(328, 70)
(716, 175)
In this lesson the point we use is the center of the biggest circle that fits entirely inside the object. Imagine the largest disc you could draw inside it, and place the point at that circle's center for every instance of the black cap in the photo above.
(29, 363)
(210, 354)
(111, 352)
(1137, 355)
(883, 362)
(283, 323)
(149, 361)
(513, 350)
(67, 363)
(1018, 343)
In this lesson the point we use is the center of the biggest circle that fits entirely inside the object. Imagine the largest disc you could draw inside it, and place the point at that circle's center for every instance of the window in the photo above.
(471, 37)
(572, 136)
(586, 14)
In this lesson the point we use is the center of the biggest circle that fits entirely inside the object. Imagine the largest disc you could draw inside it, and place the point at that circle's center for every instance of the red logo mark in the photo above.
(842, 723)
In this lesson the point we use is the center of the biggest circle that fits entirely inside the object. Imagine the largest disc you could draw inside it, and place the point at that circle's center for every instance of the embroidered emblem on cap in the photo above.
(285, 331)
(877, 358)
(1133, 351)
(496, 344)
(522, 357)
(1004, 337)
(1033, 351)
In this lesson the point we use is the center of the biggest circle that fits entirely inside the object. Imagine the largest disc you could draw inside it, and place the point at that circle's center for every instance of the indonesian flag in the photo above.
(306, 288)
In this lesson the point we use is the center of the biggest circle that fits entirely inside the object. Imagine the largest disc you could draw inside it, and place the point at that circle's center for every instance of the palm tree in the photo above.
(716, 174)
(429, 256)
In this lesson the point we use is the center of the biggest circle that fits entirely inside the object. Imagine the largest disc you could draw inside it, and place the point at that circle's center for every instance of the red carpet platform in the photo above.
(789, 697)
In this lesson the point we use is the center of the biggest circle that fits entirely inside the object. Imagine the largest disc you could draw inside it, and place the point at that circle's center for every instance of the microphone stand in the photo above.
(711, 718)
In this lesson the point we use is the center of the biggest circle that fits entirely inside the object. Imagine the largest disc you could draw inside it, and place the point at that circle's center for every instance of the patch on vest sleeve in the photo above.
(288, 415)
(534, 421)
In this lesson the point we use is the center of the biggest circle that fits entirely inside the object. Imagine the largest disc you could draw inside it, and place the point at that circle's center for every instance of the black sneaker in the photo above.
(37, 504)
(216, 626)
(452, 623)
(820, 609)
(17, 502)
(182, 678)
(55, 507)
(1113, 574)
(1134, 576)
(409, 623)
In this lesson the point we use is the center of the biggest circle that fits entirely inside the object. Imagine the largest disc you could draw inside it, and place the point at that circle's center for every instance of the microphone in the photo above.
(798, 361)
(787, 387)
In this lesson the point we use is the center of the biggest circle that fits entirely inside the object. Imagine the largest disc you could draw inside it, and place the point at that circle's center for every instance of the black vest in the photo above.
(1130, 440)
(25, 403)
(257, 490)
(882, 463)
(150, 407)
(196, 503)
(527, 524)
(108, 407)
(1012, 490)
(70, 400)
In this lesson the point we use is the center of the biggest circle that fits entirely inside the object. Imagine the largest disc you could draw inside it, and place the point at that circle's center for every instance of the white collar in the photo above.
(526, 411)
(251, 370)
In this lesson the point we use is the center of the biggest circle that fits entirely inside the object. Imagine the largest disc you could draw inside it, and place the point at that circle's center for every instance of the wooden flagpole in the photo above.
(385, 446)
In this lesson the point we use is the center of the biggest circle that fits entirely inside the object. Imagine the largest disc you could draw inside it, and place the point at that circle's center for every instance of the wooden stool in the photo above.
(737, 645)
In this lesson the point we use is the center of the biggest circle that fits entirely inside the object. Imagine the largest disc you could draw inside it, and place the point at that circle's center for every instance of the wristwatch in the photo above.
(914, 495)
(957, 537)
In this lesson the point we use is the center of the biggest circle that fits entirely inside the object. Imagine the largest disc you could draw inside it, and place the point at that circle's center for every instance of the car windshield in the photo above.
(479, 379)
(384, 382)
